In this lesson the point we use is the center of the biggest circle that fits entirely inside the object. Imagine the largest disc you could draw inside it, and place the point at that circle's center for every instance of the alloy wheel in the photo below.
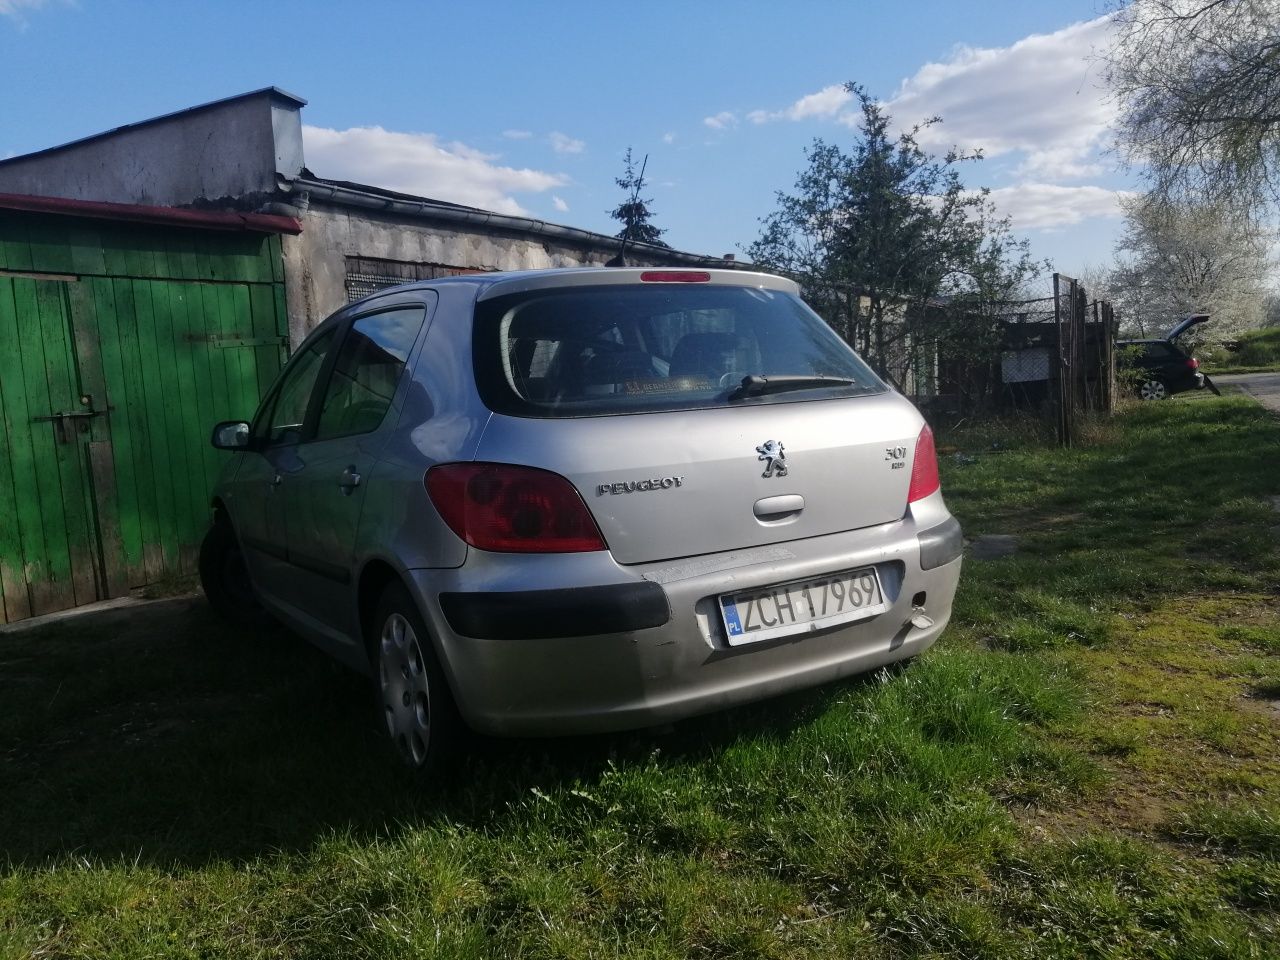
(406, 694)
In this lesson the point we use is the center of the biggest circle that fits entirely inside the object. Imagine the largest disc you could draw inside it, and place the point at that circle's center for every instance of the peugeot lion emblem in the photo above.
(775, 458)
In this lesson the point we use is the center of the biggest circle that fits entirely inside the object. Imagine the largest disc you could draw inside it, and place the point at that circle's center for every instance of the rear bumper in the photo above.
(645, 645)
(564, 612)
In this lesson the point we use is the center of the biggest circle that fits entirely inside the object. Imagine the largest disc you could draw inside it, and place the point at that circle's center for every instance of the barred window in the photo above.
(368, 275)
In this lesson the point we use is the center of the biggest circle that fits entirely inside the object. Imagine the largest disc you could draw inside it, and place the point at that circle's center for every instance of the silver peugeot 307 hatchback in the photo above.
(583, 500)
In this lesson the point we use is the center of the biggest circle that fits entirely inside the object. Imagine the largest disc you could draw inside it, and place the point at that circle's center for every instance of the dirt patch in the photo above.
(1181, 714)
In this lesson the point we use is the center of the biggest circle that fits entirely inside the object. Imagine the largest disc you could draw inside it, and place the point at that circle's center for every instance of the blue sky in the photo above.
(529, 106)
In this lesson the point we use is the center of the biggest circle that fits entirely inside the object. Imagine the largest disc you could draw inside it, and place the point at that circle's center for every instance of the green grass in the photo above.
(1087, 764)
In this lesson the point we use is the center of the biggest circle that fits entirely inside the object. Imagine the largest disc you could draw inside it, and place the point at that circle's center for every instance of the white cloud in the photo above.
(1041, 206)
(517, 134)
(722, 120)
(1039, 102)
(559, 204)
(14, 8)
(562, 143)
(827, 102)
(1042, 96)
(668, 138)
(418, 163)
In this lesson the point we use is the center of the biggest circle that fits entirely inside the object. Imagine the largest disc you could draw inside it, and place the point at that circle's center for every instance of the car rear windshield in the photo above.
(600, 350)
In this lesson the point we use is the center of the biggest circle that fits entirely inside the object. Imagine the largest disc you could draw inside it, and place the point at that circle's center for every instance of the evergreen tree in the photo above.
(634, 213)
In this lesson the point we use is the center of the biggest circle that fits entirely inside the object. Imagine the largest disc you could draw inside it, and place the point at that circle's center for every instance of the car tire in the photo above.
(417, 714)
(1152, 390)
(225, 578)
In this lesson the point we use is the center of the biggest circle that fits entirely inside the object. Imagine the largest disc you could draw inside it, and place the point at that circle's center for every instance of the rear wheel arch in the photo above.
(221, 515)
(375, 577)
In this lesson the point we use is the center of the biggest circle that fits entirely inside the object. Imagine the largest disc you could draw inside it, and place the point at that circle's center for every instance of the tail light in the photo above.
(1193, 363)
(924, 468)
(510, 509)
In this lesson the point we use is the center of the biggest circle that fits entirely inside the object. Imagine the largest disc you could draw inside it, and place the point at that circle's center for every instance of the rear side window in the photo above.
(596, 351)
(368, 368)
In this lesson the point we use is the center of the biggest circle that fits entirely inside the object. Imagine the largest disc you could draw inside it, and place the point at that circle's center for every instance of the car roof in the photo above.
(501, 283)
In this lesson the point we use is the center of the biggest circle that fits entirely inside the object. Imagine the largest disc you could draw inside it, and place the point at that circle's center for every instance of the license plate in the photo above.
(802, 607)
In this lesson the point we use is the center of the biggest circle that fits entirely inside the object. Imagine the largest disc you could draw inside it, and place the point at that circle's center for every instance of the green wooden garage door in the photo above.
(119, 348)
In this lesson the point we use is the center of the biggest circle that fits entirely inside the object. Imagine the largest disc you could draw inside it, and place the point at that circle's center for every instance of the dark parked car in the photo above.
(1166, 368)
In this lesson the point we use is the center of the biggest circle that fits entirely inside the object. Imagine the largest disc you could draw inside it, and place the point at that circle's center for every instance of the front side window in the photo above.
(593, 351)
(367, 371)
(282, 418)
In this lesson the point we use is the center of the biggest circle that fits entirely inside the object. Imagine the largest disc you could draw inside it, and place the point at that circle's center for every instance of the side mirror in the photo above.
(231, 435)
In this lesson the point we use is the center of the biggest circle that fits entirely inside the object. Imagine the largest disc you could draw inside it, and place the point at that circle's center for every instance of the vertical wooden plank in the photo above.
(184, 404)
(241, 362)
(93, 320)
(142, 253)
(131, 444)
(202, 316)
(102, 471)
(263, 307)
(117, 249)
(183, 241)
(64, 392)
(282, 314)
(218, 309)
(150, 299)
(17, 476)
(209, 255)
(82, 301)
(168, 303)
(48, 570)
(260, 251)
(238, 258)
(168, 255)
(85, 240)
(15, 251)
(275, 254)
(50, 244)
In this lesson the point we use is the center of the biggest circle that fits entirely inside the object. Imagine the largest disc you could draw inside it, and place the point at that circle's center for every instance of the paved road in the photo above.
(1264, 387)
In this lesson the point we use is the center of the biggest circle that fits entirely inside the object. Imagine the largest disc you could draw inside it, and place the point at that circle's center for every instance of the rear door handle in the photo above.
(348, 480)
(776, 508)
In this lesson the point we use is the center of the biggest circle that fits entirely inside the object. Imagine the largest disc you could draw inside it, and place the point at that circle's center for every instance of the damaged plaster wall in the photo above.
(315, 260)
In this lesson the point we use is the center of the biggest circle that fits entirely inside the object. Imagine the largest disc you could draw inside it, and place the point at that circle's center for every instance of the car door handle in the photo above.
(348, 480)
(778, 508)
(275, 480)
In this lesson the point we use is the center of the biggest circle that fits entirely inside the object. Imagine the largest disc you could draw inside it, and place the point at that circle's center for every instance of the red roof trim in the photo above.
(165, 216)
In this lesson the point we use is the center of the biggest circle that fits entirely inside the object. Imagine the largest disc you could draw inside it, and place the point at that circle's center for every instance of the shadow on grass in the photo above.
(161, 736)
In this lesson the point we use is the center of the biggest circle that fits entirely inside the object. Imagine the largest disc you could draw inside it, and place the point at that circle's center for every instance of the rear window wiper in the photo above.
(757, 386)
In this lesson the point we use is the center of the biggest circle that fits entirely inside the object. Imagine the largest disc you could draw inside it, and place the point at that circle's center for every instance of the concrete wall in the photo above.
(231, 148)
(315, 260)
